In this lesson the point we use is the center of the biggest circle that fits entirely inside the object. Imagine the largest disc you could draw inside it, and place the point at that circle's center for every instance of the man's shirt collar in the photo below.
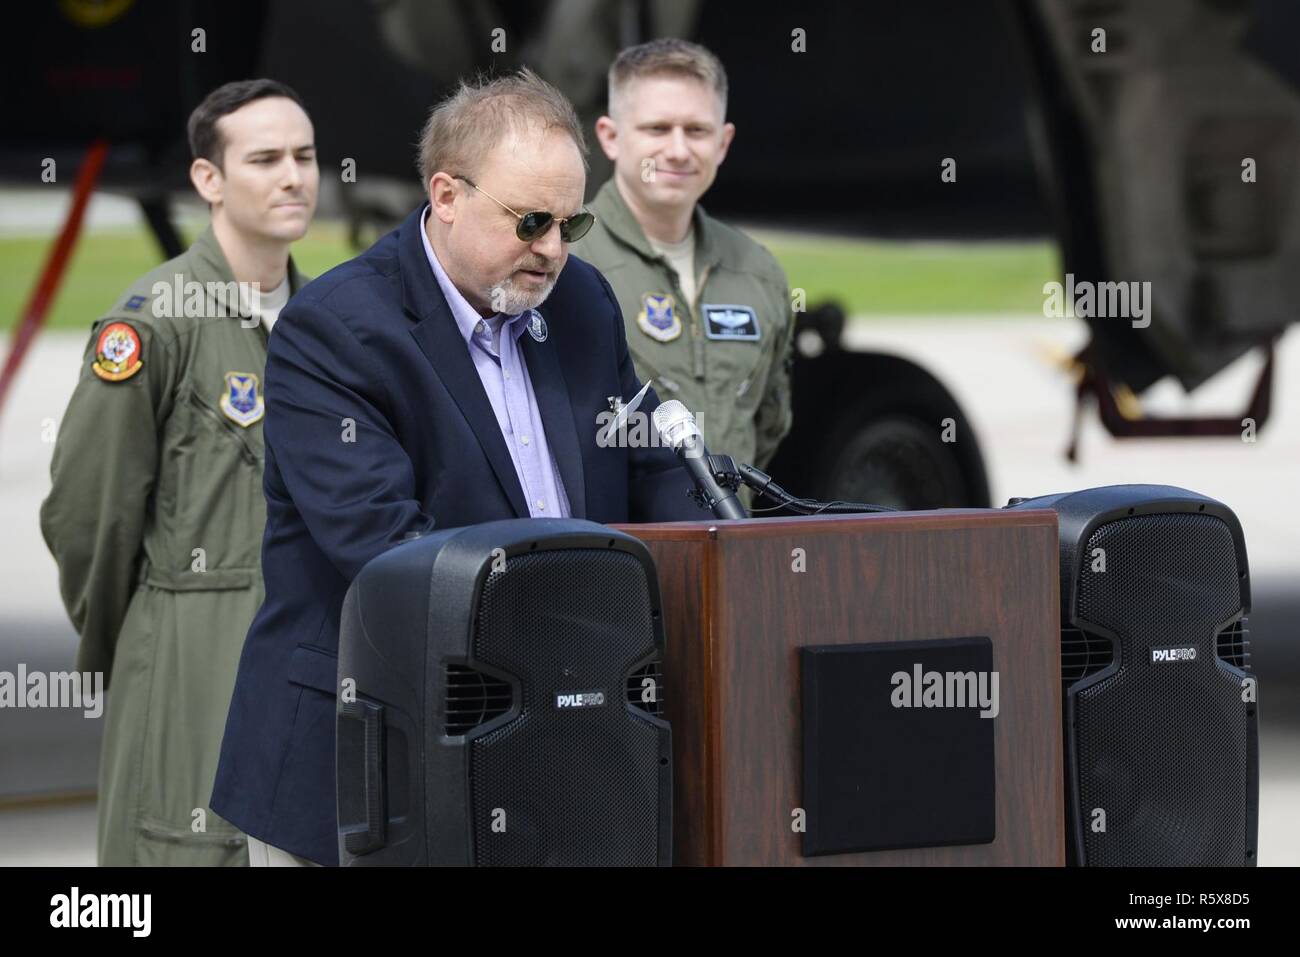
(468, 321)
(618, 219)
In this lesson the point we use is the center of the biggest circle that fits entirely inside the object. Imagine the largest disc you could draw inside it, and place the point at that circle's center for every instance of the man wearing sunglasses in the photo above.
(452, 374)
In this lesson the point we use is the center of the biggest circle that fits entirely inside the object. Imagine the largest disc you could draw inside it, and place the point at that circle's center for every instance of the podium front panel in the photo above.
(742, 598)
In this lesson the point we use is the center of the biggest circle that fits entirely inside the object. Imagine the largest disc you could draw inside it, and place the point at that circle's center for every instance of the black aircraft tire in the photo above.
(892, 459)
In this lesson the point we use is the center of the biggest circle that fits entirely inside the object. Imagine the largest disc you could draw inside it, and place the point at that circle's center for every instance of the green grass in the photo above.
(867, 277)
(870, 277)
(105, 263)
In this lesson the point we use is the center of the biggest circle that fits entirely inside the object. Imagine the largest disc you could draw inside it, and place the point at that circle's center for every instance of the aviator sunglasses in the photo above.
(533, 226)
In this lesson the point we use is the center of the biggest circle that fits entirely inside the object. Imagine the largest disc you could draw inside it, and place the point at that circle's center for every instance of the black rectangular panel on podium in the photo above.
(898, 745)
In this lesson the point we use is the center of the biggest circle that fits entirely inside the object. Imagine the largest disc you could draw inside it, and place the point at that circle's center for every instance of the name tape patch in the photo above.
(737, 323)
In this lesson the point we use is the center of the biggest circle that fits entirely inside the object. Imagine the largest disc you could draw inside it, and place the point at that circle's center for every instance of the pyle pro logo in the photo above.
(1165, 655)
(580, 699)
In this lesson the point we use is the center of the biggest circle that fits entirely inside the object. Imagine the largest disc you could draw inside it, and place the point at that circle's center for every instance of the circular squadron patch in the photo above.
(117, 352)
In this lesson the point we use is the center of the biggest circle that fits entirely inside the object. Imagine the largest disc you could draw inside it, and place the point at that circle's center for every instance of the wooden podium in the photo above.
(737, 608)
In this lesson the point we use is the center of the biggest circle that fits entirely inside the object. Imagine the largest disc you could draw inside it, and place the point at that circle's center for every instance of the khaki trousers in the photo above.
(264, 855)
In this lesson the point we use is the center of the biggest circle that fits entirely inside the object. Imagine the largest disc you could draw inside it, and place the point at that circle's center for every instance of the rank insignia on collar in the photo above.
(658, 319)
(117, 352)
(241, 402)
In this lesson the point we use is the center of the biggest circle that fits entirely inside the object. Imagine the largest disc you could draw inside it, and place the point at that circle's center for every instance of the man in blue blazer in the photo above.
(452, 374)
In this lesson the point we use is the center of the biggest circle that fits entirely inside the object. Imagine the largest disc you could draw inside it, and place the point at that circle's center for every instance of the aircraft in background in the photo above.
(1162, 148)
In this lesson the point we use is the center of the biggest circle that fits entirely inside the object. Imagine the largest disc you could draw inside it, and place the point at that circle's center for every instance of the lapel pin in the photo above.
(537, 327)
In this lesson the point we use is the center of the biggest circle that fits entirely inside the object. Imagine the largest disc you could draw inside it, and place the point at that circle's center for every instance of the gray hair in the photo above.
(466, 125)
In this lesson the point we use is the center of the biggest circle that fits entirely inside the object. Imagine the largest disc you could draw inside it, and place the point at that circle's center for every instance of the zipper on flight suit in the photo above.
(692, 313)
(692, 309)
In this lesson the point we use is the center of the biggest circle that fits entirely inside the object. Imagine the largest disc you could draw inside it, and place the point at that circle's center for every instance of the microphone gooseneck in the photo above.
(679, 431)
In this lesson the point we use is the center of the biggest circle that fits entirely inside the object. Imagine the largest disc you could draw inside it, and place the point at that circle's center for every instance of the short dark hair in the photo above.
(205, 139)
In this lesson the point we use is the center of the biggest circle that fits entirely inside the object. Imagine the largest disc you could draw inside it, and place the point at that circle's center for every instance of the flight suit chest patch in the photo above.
(658, 317)
(242, 402)
(736, 323)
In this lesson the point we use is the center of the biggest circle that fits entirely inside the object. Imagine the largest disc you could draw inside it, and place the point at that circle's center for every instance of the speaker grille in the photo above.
(566, 785)
(473, 698)
(1162, 746)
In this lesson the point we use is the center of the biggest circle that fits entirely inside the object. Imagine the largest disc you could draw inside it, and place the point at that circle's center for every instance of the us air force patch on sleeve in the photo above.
(658, 319)
(731, 322)
(117, 352)
(241, 402)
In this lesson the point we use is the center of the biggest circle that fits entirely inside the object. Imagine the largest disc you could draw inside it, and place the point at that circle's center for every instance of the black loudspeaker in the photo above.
(507, 701)
(1160, 725)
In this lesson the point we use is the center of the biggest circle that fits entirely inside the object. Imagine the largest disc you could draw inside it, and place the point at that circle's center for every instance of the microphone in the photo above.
(676, 426)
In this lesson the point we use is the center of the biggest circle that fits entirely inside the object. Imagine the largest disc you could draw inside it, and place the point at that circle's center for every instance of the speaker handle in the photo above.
(375, 835)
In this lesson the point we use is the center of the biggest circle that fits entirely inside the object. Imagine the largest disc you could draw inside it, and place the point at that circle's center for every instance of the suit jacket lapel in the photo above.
(442, 345)
(441, 342)
(557, 416)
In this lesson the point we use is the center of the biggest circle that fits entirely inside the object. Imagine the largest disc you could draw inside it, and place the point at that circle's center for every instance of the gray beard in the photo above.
(510, 300)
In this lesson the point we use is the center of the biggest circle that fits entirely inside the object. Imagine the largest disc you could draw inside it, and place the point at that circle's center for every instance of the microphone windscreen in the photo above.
(675, 423)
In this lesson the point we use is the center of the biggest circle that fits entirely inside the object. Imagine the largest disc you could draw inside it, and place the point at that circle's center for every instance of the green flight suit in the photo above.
(155, 519)
(738, 387)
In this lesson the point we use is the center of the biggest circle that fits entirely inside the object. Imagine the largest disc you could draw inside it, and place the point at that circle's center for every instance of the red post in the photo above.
(47, 284)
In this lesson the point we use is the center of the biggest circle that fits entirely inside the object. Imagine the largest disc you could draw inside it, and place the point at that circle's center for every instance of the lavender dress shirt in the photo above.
(493, 345)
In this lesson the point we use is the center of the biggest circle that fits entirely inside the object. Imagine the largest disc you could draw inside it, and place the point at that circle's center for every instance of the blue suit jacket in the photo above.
(371, 347)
